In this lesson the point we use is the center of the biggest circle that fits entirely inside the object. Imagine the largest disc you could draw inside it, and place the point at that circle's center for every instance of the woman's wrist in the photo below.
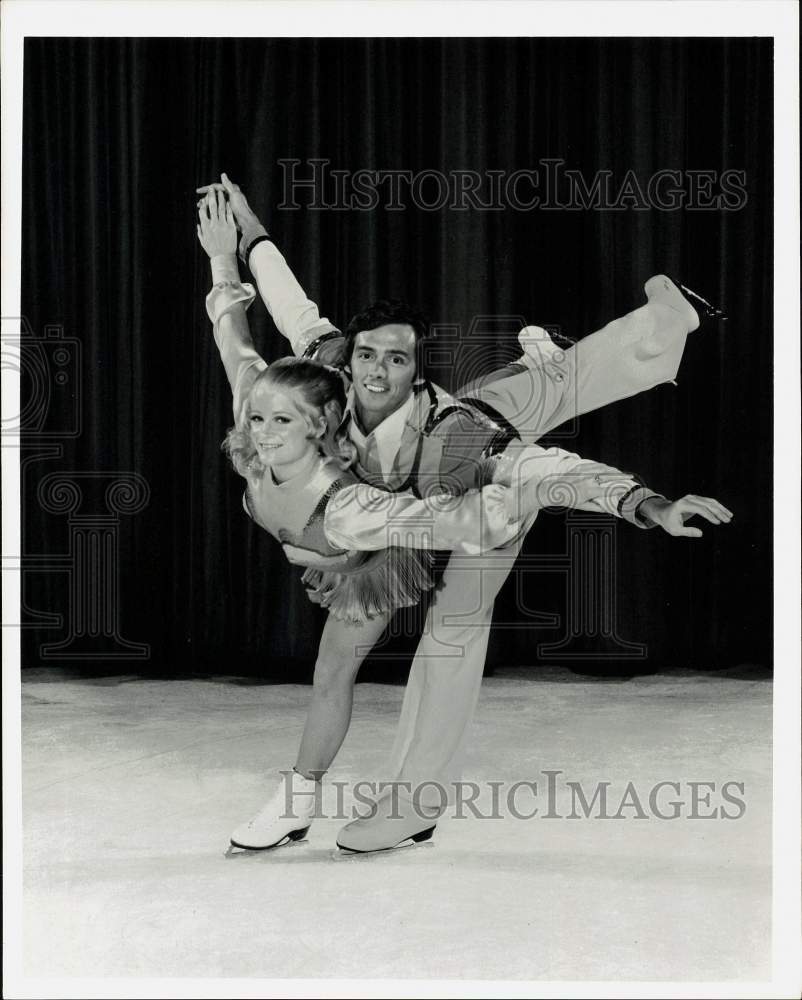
(224, 267)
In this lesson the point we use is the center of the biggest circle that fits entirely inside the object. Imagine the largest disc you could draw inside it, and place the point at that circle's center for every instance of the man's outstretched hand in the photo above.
(244, 215)
(672, 514)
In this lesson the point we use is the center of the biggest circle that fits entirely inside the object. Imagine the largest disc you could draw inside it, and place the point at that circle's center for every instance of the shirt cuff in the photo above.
(251, 234)
(630, 503)
(224, 268)
(326, 347)
(225, 295)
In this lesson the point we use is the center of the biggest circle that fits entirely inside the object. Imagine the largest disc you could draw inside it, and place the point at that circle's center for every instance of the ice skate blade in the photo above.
(235, 850)
(343, 854)
(417, 840)
(705, 310)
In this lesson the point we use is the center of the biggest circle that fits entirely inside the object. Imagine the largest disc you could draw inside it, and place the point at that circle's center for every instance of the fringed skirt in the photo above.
(390, 579)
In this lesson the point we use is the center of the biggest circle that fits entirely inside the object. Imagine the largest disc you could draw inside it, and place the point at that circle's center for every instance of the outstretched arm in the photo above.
(296, 316)
(368, 519)
(543, 477)
(228, 299)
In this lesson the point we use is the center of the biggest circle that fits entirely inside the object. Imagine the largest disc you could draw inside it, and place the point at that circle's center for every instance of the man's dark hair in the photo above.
(382, 312)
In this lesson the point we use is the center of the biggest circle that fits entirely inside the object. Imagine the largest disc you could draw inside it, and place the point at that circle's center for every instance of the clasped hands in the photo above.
(244, 215)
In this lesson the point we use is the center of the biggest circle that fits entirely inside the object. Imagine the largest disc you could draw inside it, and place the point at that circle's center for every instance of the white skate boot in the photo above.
(660, 288)
(287, 815)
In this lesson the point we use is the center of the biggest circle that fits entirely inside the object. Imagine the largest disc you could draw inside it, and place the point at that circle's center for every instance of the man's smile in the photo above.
(383, 370)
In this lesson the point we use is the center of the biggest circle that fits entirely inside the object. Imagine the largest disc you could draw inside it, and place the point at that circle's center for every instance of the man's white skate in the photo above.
(394, 821)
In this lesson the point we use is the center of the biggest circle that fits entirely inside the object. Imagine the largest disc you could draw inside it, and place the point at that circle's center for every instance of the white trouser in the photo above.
(446, 672)
(629, 355)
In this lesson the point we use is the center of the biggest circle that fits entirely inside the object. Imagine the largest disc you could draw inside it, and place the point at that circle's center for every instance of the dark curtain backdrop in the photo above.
(118, 133)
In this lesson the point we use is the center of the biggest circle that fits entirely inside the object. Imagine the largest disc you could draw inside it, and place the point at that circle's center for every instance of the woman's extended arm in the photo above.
(229, 299)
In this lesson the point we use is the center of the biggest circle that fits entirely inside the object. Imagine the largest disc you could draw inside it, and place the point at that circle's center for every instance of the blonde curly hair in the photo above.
(321, 393)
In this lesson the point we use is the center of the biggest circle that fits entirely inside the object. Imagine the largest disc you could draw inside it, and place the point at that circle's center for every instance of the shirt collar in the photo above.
(387, 435)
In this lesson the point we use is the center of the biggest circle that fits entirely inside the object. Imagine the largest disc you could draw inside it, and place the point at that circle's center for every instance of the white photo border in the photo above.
(434, 18)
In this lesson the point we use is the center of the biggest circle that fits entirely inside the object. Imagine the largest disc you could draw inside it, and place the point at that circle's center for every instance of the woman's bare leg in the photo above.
(343, 647)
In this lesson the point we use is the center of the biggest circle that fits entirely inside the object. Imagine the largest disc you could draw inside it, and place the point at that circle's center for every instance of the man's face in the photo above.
(383, 370)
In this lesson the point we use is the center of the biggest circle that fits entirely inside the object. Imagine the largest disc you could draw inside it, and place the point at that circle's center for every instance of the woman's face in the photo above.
(280, 432)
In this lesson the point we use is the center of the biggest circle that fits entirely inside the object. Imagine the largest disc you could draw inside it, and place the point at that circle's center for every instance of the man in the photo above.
(411, 435)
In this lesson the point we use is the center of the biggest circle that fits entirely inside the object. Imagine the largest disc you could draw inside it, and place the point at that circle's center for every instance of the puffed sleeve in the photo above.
(226, 305)
(365, 518)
